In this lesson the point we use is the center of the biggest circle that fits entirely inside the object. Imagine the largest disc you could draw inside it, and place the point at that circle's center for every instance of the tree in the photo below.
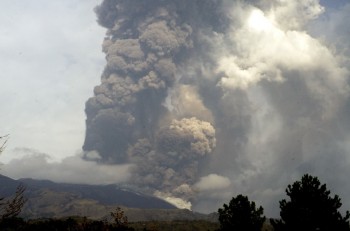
(119, 217)
(11, 208)
(311, 208)
(241, 215)
(2, 147)
(120, 220)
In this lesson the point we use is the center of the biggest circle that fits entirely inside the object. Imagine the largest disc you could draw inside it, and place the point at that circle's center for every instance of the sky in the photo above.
(51, 59)
(51, 56)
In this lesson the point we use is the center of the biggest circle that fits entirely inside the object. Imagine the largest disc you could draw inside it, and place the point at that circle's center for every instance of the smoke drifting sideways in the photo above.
(211, 98)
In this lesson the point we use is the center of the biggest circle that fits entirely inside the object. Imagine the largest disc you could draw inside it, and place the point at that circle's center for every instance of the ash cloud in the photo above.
(144, 112)
(208, 99)
(172, 165)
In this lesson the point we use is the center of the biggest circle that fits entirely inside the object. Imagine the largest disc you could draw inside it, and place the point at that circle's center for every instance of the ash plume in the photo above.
(148, 47)
(171, 166)
(211, 98)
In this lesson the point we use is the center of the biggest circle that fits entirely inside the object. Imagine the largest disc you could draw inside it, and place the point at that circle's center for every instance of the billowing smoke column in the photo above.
(148, 47)
(211, 98)
(171, 166)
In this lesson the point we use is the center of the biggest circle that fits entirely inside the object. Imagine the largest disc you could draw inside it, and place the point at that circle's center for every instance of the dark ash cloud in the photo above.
(236, 96)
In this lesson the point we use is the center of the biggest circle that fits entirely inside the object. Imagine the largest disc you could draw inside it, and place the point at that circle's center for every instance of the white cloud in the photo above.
(263, 48)
(72, 169)
(212, 182)
(298, 90)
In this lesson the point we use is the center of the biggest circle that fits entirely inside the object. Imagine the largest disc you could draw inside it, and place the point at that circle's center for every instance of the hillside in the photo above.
(57, 200)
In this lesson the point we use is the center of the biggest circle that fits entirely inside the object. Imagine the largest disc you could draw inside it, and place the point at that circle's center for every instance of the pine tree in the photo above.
(311, 208)
(241, 215)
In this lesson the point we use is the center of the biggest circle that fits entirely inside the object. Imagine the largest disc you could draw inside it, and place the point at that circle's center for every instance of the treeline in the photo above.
(309, 208)
(84, 224)
(197, 225)
(116, 222)
(69, 224)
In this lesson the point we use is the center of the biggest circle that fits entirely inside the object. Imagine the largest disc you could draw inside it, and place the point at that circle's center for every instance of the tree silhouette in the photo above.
(119, 217)
(11, 208)
(3, 145)
(120, 220)
(241, 215)
(311, 208)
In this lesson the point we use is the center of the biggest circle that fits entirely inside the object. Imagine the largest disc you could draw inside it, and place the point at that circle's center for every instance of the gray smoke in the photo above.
(137, 115)
(211, 98)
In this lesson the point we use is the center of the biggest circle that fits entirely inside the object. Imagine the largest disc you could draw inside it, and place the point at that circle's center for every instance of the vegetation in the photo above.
(84, 224)
(18, 224)
(198, 225)
(71, 224)
(120, 219)
(241, 215)
(3, 145)
(311, 208)
(11, 208)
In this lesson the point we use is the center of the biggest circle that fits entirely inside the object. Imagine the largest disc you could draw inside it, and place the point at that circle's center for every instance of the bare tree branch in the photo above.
(13, 207)
(3, 145)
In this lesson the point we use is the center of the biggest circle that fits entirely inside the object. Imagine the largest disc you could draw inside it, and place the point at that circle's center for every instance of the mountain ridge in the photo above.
(47, 199)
